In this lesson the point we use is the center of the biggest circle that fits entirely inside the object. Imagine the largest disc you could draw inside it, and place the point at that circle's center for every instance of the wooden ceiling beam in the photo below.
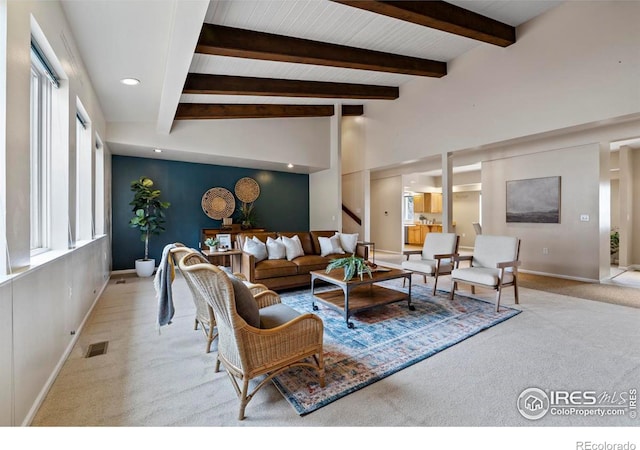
(198, 83)
(441, 16)
(196, 111)
(352, 110)
(235, 42)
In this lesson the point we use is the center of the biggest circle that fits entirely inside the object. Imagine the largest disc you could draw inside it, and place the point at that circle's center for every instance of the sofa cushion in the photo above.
(246, 304)
(276, 248)
(481, 275)
(262, 235)
(314, 239)
(270, 268)
(305, 240)
(307, 263)
(348, 242)
(275, 315)
(330, 245)
(293, 247)
(256, 248)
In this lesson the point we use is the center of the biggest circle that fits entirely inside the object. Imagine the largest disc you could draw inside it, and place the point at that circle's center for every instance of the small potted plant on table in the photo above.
(353, 265)
(212, 243)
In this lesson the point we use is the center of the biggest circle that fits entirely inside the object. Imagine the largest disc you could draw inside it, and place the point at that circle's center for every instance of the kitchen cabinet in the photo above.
(428, 202)
(416, 234)
(413, 235)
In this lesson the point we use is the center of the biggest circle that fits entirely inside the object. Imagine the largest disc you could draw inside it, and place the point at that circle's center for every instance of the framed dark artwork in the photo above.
(535, 200)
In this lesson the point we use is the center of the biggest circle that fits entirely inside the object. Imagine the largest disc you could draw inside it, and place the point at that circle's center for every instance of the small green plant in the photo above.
(615, 241)
(247, 215)
(353, 265)
(148, 209)
(211, 242)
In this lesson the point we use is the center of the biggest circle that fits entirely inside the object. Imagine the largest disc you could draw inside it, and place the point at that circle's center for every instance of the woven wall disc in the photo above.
(247, 190)
(218, 203)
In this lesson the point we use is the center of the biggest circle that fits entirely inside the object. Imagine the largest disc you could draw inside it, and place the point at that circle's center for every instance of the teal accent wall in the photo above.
(283, 204)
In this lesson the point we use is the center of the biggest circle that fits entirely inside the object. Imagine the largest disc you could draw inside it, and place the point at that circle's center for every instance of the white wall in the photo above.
(302, 142)
(386, 212)
(466, 210)
(48, 297)
(353, 175)
(6, 356)
(325, 186)
(578, 63)
(569, 253)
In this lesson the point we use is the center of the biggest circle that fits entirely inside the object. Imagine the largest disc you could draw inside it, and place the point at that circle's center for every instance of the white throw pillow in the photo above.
(256, 248)
(348, 242)
(330, 245)
(276, 248)
(293, 247)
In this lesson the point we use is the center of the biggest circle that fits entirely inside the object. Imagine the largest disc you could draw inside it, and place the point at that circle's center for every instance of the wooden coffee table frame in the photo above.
(359, 294)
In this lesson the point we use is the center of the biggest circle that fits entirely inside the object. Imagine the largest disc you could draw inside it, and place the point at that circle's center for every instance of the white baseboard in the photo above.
(555, 275)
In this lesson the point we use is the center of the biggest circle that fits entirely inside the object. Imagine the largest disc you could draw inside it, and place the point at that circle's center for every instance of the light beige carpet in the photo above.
(608, 293)
(166, 379)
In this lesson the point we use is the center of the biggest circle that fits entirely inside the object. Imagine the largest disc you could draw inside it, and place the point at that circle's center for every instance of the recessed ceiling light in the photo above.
(157, 150)
(290, 166)
(130, 81)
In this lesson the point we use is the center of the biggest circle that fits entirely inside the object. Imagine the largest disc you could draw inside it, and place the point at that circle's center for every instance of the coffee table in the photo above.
(359, 294)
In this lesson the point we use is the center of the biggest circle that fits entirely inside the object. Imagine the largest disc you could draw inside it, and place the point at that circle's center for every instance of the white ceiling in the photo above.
(140, 38)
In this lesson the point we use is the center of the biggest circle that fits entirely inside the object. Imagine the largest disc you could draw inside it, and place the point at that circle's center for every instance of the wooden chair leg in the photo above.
(473, 289)
(195, 326)
(453, 289)
(515, 290)
(435, 283)
(243, 398)
(498, 298)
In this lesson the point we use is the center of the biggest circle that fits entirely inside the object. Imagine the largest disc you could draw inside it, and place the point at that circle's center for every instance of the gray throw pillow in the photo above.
(246, 305)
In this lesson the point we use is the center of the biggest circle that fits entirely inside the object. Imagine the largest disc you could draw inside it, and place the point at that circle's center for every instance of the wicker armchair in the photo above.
(247, 352)
(204, 313)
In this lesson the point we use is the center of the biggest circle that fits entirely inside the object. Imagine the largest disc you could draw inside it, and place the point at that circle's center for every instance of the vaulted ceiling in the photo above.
(277, 58)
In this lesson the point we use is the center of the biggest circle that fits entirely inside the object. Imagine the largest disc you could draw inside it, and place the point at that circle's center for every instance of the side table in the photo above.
(234, 255)
(372, 245)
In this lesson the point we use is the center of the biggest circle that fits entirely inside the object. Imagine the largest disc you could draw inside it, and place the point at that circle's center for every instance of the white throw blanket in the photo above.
(162, 283)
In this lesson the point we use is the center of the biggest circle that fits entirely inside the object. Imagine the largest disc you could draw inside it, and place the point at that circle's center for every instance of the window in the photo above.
(84, 210)
(41, 94)
(407, 208)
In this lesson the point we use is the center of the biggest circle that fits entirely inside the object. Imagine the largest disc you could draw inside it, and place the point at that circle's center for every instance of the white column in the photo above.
(447, 193)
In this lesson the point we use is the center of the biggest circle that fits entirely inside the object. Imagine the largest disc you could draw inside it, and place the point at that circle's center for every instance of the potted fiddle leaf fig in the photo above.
(148, 218)
(353, 265)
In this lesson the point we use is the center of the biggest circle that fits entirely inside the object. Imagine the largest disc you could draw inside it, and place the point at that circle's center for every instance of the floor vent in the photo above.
(99, 348)
(121, 281)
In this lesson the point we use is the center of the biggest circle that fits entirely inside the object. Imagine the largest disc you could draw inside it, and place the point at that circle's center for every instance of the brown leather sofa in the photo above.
(281, 273)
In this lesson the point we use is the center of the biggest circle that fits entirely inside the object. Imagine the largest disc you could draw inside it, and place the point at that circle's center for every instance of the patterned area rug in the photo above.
(385, 340)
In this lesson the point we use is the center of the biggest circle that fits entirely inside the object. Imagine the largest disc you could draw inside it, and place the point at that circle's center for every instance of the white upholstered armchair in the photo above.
(494, 264)
(435, 258)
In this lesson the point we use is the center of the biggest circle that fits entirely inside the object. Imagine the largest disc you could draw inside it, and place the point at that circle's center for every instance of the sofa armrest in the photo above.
(248, 266)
